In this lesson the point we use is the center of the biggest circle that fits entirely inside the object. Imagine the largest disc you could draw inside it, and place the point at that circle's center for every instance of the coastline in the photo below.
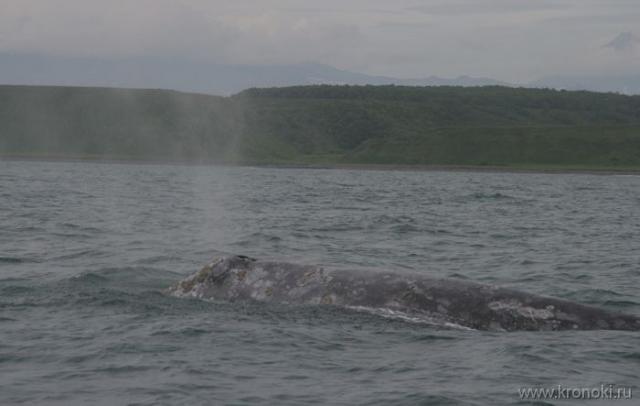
(461, 168)
(527, 169)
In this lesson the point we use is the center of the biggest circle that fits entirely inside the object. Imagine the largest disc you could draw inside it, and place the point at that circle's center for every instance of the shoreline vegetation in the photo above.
(558, 169)
(491, 128)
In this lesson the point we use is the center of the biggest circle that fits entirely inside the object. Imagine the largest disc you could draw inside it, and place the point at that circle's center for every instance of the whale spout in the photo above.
(463, 303)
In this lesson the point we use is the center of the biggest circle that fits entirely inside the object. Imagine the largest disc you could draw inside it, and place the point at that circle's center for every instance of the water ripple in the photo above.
(87, 250)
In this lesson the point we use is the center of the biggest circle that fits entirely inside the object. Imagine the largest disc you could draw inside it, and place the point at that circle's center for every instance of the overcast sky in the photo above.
(512, 40)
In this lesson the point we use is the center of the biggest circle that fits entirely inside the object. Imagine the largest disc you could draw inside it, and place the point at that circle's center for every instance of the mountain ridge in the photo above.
(190, 76)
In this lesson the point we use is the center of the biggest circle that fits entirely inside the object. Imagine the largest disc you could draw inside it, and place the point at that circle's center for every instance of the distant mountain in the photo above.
(190, 75)
(627, 84)
(221, 79)
(623, 42)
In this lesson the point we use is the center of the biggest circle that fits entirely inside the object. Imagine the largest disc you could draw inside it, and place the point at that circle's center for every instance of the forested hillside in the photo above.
(326, 125)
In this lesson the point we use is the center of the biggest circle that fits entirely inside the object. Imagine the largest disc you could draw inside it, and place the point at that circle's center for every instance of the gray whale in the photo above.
(462, 303)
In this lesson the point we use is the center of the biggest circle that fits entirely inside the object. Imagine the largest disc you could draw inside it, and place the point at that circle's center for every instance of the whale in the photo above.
(444, 302)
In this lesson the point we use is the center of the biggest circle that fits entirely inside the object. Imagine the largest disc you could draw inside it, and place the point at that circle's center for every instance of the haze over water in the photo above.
(86, 250)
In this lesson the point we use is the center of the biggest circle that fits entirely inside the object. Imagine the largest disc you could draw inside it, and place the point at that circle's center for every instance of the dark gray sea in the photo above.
(87, 249)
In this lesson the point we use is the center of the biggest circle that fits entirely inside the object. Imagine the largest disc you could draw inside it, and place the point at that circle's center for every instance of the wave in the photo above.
(12, 260)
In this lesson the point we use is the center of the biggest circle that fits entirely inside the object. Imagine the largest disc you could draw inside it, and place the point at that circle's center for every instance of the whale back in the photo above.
(449, 301)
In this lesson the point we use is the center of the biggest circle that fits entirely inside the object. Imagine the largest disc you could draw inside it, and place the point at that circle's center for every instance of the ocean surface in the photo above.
(87, 250)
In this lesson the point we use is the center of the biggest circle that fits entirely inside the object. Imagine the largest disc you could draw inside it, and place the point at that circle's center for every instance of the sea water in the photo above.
(87, 250)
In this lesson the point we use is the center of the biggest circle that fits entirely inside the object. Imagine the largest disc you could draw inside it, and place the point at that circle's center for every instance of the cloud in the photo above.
(462, 7)
(276, 37)
(511, 40)
(116, 28)
(196, 29)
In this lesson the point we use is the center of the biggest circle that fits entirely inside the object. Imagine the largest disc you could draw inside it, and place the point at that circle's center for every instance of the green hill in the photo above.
(495, 126)
(114, 123)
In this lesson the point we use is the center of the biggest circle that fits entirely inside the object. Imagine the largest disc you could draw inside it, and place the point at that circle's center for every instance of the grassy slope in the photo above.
(327, 124)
